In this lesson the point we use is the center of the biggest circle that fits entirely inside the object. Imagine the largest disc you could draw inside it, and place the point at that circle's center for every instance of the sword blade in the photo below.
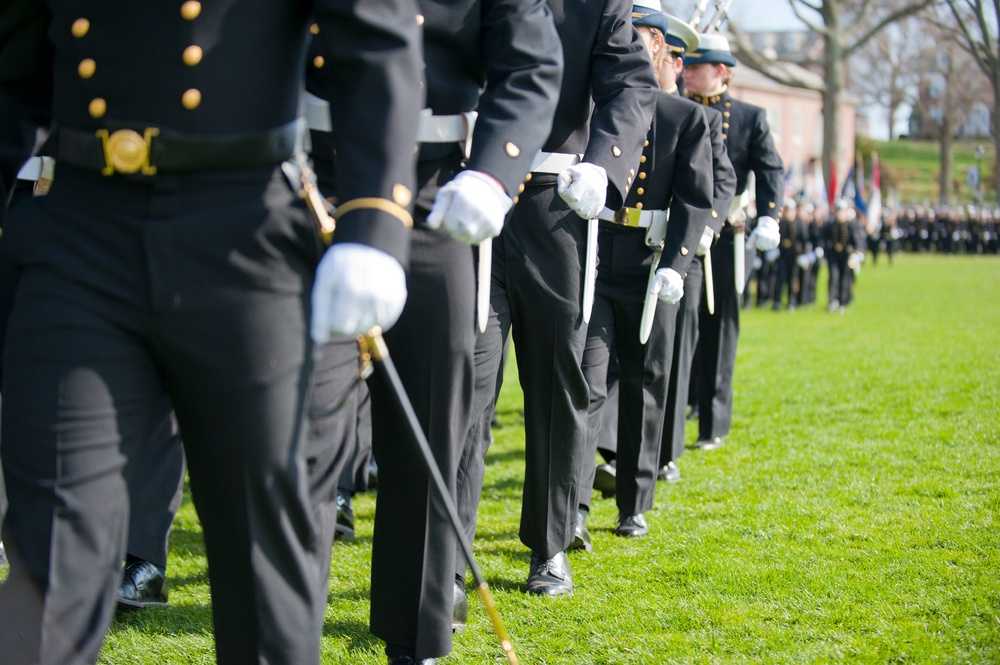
(590, 270)
(739, 256)
(483, 287)
(709, 283)
(649, 305)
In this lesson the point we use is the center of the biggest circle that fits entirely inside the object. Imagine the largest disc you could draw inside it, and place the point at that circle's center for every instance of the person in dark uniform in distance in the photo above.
(675, 190)
(172, 250)
(502, 60)
(841, 240)
(538, 263)
(788, 277)
(680, 40)
(751, 149)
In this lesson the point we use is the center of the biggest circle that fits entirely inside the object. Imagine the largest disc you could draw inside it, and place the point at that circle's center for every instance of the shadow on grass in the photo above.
(355, 632)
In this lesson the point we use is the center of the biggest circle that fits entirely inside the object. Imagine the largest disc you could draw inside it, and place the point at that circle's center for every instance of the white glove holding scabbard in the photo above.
(584, 188)
(705, 243)
(471, 207)
(357, 287)
(767, 235)
(668, 286)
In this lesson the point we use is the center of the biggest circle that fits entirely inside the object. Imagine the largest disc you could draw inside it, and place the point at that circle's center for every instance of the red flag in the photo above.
(831, 193)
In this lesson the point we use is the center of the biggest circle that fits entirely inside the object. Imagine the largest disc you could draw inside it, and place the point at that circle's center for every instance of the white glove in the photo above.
(668, 286)
(767, 233)
(471, 207)
(819, 252)
(584, 187)
(803, 261)
(357, 287)
(758, 263)
(705, 243)
(772, 255)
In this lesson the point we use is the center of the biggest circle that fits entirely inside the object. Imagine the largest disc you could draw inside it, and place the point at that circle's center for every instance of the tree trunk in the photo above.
(996, 137)
(833, 76)
(893, 107)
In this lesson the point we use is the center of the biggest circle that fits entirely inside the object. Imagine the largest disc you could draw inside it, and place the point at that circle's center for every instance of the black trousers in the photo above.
(536, 292)
(414, 546)
(840, 278)
(786, 279)
(685, 345)
(332, 437)
(197, 282)
(354, 477)
(717, 339)
(155, 480)
(643, 369)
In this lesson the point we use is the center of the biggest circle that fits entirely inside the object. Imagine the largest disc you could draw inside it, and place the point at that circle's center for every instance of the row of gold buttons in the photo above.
(191, 56)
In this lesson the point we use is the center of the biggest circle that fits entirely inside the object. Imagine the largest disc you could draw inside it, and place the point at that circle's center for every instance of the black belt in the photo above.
(150, 150)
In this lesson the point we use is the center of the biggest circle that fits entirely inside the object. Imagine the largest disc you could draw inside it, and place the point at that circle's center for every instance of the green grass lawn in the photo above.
(851, 517)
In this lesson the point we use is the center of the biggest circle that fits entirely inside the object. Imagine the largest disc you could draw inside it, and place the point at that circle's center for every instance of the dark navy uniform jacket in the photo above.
(501, 58)
(231, 67)
(675, 173)
(608, 90)
(751, 149)
(725, 175)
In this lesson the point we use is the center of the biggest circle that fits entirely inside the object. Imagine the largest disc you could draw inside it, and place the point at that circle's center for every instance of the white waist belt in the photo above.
(633, 217)
(36, 168)
(554, 162)
(432, 128)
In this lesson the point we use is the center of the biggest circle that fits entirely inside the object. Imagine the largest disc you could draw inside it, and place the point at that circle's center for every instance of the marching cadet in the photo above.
(172, 250)
(842, 241)
(543, 265)
(502, 59)
(681, 38)
(751, 149)
(656, 232)
(510, 50)
(788, 277)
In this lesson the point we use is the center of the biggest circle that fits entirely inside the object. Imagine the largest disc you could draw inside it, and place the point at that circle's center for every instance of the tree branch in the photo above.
(812, 25)
(902, 12)
(781, 72)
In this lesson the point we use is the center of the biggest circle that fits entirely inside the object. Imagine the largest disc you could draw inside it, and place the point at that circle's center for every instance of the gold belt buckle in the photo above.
(628, 217)
(126, 151)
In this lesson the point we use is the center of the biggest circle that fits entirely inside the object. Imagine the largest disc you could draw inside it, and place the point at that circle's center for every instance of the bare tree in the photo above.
(888, 69)
(952, 84)
(977, 30)
(845, 26)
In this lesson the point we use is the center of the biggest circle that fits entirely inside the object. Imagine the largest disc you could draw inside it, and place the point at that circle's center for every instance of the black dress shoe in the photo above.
(345, 516)
(669, 472)
(709, 444)
(605, 479)
(144, 584)
(406, 660)
(460, 611)
(632, 526)
(550, 577)
(581, 536)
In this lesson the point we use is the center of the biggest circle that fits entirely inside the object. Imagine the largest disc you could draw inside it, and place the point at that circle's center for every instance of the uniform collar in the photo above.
(672, 91)
(713, 98)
